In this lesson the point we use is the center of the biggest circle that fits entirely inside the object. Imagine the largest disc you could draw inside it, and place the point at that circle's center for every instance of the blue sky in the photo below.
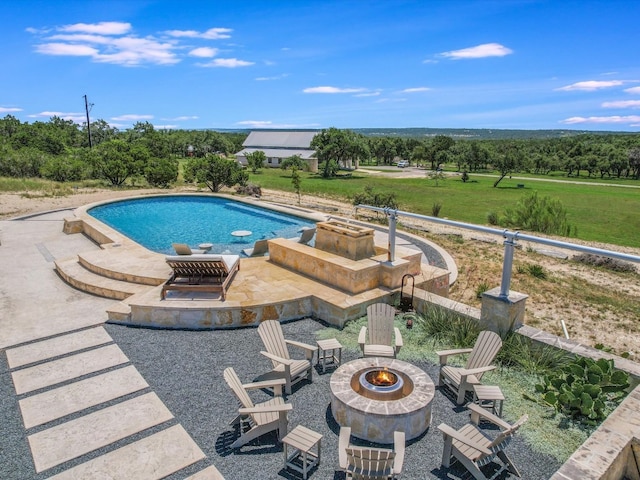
(499, 64)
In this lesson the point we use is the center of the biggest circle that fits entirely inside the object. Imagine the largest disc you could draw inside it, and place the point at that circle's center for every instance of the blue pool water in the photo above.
(157, 222)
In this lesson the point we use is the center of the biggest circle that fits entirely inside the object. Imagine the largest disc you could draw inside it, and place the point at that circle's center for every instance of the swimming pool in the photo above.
(157, 222)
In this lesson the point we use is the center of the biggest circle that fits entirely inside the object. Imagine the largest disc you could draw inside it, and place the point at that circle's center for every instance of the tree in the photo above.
(161, 172)
(296, 181)
(256, 160)
(214, 171)
(507, 162)
(117, 160)
(295, 162)
(338, 148)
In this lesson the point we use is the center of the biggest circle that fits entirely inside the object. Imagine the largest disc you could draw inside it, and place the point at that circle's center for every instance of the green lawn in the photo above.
(600, 213)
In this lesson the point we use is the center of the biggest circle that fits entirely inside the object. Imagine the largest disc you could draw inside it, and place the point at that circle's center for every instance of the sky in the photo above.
(501, 64)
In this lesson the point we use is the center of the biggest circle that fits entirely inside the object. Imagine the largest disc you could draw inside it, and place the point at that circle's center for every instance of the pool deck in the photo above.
(261, 290)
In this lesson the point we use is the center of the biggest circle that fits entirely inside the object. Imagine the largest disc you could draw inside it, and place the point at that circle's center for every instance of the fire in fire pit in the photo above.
(380, 384)
(381, 378)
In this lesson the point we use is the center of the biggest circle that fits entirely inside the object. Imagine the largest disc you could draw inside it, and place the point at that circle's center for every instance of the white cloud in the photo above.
(204, 52)
(622, 104)
(114, 42)
(66, 49)
(211, 34)
(132, 117)
(632, 90)
(165, 127)
(415, 90)
(9, 109)
(367, 94)
(226, 63)
(270, 124)
(611, 119)
(591, 85)
(101, 28)
(183, 118)
(328, 89)
(73, 116)
(479, 51)
(275, 77)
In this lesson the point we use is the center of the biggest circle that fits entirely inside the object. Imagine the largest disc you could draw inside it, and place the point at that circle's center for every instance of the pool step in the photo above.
(143, 267)
(76, 275)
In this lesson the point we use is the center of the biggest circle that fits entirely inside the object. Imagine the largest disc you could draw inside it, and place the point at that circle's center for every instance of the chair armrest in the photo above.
(477, 412)
(447, 431)
(398, 447)
(276, 358)
(276, 384)
(285, 407)
(362, 337)
(474, 371)
(309, 349)
(398, 335)
(443, 354)
(343, 444)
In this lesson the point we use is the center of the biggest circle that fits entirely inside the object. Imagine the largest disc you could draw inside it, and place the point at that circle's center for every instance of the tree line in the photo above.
(59, 150)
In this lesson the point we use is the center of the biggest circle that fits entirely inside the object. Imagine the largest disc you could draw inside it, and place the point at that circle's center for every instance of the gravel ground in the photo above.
(185, 369)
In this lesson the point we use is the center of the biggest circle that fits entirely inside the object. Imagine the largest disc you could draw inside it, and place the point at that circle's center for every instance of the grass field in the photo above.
(600, 213)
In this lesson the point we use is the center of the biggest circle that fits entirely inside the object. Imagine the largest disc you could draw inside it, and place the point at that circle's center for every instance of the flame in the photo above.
(384, 378)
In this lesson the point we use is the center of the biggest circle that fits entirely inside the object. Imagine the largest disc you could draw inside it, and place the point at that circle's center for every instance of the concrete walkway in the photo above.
(73, 404)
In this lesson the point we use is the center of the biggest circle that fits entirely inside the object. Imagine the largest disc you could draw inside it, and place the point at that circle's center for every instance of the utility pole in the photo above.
(86, 108)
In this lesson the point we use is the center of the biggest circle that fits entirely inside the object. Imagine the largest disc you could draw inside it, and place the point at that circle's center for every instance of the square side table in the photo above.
(490, 397)
(306, 449)
(329, 353)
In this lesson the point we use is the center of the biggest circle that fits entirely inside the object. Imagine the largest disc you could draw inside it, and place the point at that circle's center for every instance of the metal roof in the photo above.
(280, 152)
(280, 139)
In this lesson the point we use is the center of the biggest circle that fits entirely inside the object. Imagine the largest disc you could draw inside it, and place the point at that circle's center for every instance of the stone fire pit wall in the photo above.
(349, 241)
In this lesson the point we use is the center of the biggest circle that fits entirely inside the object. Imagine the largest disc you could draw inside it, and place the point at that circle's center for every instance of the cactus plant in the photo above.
(583, 388)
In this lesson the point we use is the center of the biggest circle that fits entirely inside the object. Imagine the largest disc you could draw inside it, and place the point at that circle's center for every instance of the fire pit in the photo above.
(380, 384)
(376, 396)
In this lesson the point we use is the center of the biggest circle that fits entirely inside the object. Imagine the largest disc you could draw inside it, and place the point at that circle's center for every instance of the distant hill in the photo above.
(459, 133)
(477, 133)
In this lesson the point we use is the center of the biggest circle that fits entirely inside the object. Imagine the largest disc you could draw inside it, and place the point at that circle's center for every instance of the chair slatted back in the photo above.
(306, 235)
(370, 463)
(271, 334)
(484, 351)
(231, 377)
(380, 318)
(260, 248)
(502, 440)
(216, 268)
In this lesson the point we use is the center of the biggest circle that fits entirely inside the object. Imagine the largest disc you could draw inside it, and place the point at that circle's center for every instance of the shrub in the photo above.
(493, 218)
(161, 172)
(480, 289)
(447, 327)
(249, 189)
(585, 389)
(604, 262)
(538, 214)
(521, 352)
(537, 271)
(435, 209)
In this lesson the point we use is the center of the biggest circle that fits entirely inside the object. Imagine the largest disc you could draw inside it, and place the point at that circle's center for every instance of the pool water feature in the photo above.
(157, 222)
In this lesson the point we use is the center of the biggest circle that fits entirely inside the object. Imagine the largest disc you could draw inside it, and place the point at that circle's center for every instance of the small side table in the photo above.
(205, 246)
(329, 359)
(304, 442)
(490, 397)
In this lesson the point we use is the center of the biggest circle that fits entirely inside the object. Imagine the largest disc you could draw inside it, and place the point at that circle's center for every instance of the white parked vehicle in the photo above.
(403, 163)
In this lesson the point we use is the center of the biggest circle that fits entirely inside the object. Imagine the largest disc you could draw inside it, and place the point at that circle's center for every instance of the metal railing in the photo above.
(509, 243)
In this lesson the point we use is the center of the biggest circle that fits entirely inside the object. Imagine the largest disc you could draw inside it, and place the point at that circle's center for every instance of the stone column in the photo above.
(501, 314)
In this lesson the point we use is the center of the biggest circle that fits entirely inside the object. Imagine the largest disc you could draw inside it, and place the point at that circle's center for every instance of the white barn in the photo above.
(278, 145)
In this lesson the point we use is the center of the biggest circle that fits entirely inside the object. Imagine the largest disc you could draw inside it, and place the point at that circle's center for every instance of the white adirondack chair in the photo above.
(377, 338)
(261, 418)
